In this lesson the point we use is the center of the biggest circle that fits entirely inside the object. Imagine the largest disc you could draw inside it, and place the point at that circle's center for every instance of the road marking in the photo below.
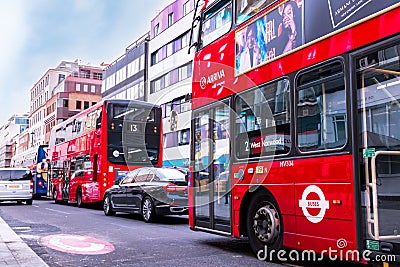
(77, 244)
(63, 212)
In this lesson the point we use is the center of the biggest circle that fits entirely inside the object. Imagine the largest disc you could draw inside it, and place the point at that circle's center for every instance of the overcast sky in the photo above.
(37, 35)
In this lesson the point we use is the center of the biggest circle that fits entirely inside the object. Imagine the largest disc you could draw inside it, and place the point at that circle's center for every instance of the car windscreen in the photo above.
(170, 174)
(6, 175)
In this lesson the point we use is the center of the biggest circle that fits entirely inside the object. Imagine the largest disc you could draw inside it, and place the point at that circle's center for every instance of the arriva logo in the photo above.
(213, 78)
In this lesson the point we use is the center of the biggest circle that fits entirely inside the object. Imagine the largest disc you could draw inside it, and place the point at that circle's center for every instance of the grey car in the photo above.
(149, 191)
(16, 185)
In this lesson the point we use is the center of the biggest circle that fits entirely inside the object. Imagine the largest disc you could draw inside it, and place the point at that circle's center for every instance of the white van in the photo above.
(16, 185)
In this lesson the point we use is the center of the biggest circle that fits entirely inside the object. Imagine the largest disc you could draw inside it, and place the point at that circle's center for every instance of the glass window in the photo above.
(263, 121)
(186, 8)
(171, 140)
(216, 22)
(321, 109)
(77, 87)
(156, 29)
(170, 19)
(78, 104)
(184, 137)
(246, 9)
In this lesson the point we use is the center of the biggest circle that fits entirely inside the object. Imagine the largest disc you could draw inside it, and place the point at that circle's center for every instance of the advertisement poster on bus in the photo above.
(327, 16)
(278, 32)
(295, 23)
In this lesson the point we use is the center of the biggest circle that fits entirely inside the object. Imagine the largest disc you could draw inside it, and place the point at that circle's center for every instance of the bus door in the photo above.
(66, 180)
(378, 96)
(212, 179)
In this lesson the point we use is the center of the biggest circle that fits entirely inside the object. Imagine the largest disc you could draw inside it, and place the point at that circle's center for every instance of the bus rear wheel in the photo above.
(264, 225)
(79, 198)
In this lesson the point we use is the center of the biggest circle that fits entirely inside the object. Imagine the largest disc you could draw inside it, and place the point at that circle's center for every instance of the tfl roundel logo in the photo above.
(321, 203)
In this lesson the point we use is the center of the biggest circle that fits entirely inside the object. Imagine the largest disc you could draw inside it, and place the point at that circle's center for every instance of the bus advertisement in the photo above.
(94, 149)
(295, 124)
(35, 159)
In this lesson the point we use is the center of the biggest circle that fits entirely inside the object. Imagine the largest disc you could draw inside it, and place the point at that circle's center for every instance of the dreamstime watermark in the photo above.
(333, 254)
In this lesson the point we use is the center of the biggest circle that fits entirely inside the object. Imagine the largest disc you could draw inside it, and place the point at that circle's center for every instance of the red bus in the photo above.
(296, 114)
(94, 149)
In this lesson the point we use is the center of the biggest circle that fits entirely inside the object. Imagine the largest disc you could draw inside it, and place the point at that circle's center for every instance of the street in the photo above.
(168, 242)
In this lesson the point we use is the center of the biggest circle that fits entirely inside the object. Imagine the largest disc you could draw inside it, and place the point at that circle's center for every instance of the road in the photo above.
(65, 235)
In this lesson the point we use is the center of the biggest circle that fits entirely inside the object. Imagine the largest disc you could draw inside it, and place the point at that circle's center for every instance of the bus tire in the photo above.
(264, 225)
(107, 206)
(56, 201)
(29, 202)
(148, 211)
(79, 202)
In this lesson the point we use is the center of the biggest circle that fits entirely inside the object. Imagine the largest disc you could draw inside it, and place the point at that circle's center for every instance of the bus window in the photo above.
(246, 9)
(216, 22)
(263, 121)
(321, 109)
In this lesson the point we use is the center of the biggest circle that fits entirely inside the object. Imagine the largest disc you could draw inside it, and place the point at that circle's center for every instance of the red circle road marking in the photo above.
(77, 244)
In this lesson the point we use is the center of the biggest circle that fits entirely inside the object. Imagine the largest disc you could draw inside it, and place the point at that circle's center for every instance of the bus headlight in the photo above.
(116, 153)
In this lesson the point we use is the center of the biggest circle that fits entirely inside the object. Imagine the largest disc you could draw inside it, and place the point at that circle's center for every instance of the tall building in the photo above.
(169, 75)
(78, 91)
(125, 78)
(51, 94)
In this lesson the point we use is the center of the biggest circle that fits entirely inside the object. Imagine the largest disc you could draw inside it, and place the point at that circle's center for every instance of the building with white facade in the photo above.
(125, 78)
(169, 76)
(9, 133)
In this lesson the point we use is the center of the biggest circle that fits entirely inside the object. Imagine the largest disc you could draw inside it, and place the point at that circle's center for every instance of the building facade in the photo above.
(169, 75)
(125, 78)
(9, 135)
(78, 91)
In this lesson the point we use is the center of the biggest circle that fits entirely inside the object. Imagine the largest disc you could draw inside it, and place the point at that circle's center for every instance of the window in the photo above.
(93, 89)
(156, 29)
(170, 19)
(61, 77)
(85, 87)
(217, 21)
(78, 87)
(171, 140)
(85, 104)
(78, 104)
(184, 137)
(186, 8)
(85, 74)
(93, 103)
(262, 124)
(321, 109)
(97, 76)
(246, 9)
(65, 103)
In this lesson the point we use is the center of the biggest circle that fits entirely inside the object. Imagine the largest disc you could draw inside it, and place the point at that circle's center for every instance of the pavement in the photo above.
(14, 252)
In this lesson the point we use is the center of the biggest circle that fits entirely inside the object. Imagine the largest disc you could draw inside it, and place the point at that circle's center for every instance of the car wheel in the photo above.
(79, 198)
(148, 211)
(29, 202)
(264, 224)
(107, 206)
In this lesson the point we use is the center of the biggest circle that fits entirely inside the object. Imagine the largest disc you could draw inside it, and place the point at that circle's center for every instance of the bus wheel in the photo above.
(55, 196)
(79, 198)
(29, 202)
(264, 225)
(107, 206)
(148, 212)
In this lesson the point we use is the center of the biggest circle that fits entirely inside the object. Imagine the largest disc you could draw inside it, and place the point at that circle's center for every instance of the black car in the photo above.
(150, 191)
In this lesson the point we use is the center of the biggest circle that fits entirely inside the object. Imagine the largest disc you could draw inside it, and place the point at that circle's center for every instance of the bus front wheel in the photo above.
(264, 225)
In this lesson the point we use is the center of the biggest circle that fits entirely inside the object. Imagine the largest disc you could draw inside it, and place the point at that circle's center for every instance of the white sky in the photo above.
(37, 35)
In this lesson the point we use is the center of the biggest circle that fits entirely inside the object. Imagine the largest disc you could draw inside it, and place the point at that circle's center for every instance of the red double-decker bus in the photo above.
(296, 138)
(94, 149)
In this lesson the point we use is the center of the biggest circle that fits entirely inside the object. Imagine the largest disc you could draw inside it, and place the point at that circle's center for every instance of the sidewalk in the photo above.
(15, 252)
